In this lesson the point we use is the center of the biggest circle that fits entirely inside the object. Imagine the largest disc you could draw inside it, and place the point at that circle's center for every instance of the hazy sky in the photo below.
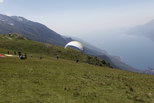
(78, 17)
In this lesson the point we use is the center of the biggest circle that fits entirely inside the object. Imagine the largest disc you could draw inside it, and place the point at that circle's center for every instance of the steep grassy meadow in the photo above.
(64, 81)
(16, 42)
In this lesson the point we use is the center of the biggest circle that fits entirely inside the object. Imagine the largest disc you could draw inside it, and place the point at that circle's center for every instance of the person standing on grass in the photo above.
(25, 55)
(57, 57)
(77, 61)
(41, 58)
(15, 53)
(19, 53)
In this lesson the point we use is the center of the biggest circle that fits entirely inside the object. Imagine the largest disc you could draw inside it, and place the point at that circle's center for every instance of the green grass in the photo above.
(64, 81)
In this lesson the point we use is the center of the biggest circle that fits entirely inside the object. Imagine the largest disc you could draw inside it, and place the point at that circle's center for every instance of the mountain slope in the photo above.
(31, 30)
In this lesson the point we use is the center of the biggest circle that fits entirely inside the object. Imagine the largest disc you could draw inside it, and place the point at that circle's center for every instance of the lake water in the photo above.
(134, 50)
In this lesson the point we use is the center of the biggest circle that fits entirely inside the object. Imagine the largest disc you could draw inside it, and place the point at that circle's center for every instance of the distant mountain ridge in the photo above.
(149, 71)
(30, 29)
(146, 30)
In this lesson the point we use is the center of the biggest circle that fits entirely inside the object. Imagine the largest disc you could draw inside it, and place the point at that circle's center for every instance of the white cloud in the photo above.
(1, 1)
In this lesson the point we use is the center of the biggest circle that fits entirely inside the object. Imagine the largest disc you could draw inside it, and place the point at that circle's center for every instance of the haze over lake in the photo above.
(137, 51)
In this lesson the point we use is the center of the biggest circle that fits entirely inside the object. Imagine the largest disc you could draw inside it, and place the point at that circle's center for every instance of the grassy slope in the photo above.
(64, 81)
(17, 43)
(14, 44)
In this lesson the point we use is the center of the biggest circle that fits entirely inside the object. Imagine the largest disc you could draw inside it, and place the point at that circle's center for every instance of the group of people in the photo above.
(23, 56)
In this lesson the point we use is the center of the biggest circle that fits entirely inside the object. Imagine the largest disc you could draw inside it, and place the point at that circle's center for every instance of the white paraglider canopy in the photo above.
(75, 44)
